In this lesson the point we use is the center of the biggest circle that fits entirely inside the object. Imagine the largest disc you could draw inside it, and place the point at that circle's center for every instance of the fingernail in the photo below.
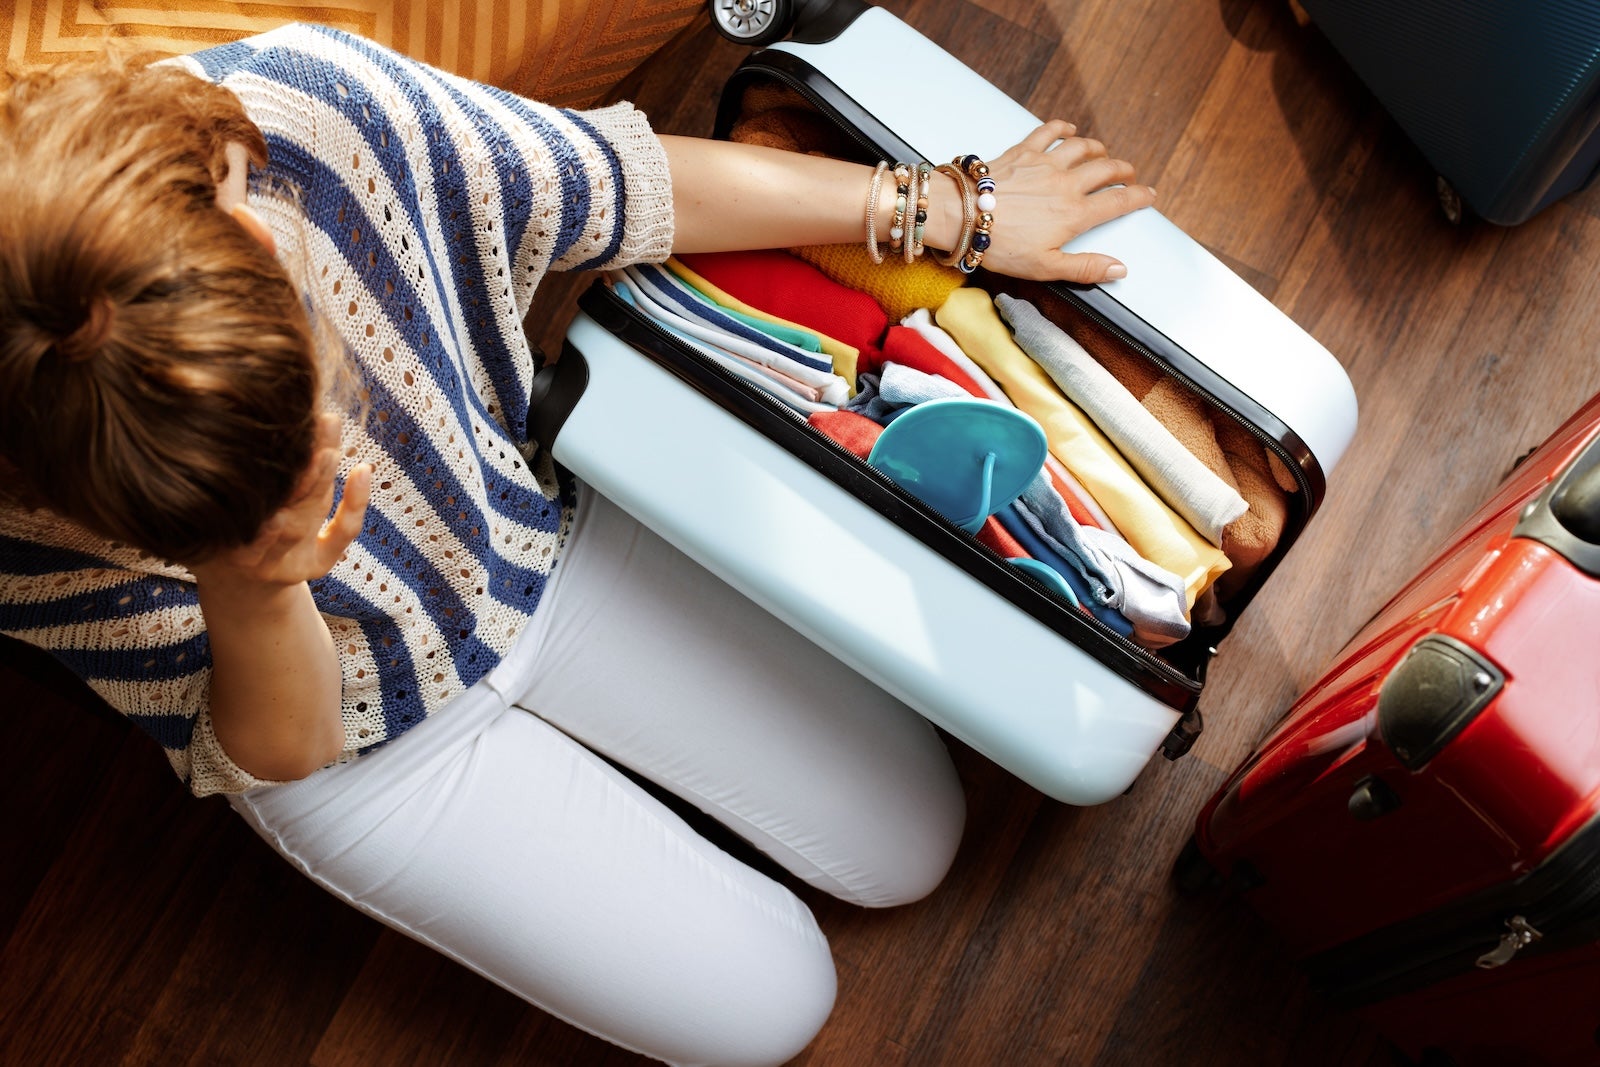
(1116, 270)
(1152, 189)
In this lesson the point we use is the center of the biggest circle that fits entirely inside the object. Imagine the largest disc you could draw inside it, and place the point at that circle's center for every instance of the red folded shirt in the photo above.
(907, 347)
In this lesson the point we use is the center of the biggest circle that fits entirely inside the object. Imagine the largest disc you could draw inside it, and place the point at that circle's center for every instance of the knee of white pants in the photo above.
(902, 843)
(800, 985)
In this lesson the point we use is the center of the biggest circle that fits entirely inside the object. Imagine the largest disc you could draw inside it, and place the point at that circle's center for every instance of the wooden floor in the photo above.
(142, 926)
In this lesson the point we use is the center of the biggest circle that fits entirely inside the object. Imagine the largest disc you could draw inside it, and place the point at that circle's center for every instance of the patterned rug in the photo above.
(566, 52)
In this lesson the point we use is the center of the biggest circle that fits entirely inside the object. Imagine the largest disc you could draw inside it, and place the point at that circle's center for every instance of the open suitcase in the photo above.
(1503, 99)
(746, 488)
(1423, 827)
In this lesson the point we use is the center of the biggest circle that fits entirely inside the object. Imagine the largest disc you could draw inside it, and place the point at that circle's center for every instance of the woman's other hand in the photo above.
(300, 542)
(1050, 188)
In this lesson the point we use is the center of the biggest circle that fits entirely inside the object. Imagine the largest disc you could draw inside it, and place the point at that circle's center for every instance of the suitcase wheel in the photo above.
(764, 22)
(1449, 200)
(752, 22)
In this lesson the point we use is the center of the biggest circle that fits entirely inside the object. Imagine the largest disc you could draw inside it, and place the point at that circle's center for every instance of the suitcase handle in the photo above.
(556, 390)
(1577, 506)
(1566, 516)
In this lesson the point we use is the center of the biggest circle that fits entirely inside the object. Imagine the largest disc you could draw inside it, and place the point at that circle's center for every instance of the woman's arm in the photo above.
(1050, 188)
(275, 676)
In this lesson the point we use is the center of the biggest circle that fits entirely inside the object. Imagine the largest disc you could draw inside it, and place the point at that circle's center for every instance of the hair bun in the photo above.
(85, 342)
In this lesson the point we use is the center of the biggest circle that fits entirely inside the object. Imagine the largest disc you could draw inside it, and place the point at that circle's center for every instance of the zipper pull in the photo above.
(1519, 935)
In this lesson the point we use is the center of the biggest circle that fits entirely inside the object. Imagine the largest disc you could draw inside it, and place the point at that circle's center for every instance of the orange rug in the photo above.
(565, 52)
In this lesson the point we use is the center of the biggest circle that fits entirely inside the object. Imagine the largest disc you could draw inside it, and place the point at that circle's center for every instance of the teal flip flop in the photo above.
(965, 458)
(1047, 576)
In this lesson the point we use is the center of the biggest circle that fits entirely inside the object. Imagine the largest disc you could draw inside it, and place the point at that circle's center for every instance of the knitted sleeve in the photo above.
(524, 188)
(128, 626)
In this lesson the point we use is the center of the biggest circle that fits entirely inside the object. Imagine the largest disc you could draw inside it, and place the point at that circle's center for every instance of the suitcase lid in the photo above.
(1174, 285)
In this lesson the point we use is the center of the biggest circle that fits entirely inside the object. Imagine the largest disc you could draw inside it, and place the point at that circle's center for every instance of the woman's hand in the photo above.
(1046, 194)
(300, 543)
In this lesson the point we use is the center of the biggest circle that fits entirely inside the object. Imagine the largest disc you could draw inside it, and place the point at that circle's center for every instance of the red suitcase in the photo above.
(1422, 826)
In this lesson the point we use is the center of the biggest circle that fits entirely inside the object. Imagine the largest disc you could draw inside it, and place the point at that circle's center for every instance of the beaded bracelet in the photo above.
(919, 221)
(897, 225)
(978, 171)
(968, 213)
(872, 213)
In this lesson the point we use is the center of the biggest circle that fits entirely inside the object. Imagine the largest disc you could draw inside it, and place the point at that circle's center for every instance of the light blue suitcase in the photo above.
(984, 652)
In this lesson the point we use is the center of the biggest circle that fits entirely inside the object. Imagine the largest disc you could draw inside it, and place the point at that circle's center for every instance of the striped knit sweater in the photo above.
(429, 208)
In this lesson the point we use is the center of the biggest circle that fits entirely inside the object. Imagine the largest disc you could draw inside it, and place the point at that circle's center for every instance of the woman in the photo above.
(285, 278)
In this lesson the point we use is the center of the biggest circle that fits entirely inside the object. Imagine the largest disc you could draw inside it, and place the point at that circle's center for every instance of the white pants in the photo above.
(492, 832)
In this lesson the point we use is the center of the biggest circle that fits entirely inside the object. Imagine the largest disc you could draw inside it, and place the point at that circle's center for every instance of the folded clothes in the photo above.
(844, 357)
(1084, 508)
(772, 326)
(908, 348)
(759, 377)
(698, 319)
(799, 388)
(792, 289)
(1107, 571)
(1168, 467)
(882, 396)
(1150, 597)
(683, 299)
(921, 320)
(848, 429)
(1157, 532)
(1258, 474)
(1011, 519)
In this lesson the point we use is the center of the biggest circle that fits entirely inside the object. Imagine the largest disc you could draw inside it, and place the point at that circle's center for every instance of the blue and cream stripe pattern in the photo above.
(427, 210)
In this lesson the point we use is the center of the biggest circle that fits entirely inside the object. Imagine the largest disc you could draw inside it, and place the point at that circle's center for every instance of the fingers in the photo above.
(1048, 134)
(316, 481)
(1088, 268)
(1116, 201)
(1076, 151)
(345, 526)
(1103, 171)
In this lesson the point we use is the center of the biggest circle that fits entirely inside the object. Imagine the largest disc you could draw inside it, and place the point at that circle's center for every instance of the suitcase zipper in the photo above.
(1518, 935)
(1139, 665)
(1554, 906)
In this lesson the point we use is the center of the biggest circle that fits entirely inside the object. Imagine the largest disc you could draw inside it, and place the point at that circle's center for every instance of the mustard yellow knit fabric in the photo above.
(1156, 532)
(899, 287)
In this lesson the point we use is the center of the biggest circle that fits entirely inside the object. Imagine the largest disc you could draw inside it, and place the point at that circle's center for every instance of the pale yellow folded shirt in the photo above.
(1156, 532)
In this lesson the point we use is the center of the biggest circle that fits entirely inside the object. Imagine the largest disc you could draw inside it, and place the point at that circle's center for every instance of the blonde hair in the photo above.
(159, 372)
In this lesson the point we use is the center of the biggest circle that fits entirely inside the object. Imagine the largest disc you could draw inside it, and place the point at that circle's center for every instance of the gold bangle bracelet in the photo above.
(873, 192)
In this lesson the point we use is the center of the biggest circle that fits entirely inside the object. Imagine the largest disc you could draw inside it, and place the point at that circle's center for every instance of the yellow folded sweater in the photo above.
(899, 287)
